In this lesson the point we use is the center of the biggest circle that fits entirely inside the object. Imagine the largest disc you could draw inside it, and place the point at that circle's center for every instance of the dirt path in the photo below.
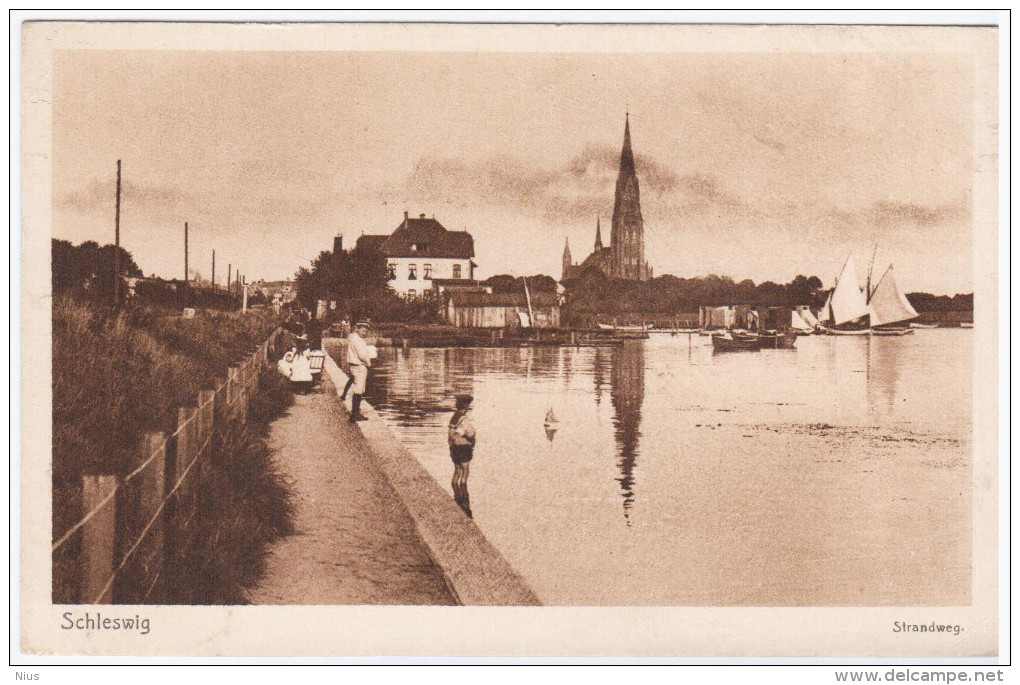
(354, 541)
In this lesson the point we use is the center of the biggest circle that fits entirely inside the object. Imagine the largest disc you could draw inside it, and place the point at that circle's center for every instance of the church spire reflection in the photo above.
(627, 378)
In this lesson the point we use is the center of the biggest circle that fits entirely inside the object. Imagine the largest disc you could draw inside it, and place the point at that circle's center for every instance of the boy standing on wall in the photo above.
(462, 437)
(359, 359)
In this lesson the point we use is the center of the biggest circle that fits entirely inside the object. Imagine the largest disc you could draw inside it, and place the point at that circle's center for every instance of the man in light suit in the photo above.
(359, 359)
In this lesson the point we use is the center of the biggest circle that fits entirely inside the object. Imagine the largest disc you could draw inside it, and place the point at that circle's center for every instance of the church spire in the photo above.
(598, 233)
(568, 260)
(627, 237)
(627, 155)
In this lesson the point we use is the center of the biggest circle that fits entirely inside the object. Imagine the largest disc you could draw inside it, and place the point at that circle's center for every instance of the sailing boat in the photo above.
(550, 418)
(845, 310)
(888, 306)
(803, 321)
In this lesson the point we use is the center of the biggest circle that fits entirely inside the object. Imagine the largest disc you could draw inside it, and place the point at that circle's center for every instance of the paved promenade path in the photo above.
(354, 543)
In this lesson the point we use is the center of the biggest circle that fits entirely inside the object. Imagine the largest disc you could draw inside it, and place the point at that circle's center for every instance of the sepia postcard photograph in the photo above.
(497, 340)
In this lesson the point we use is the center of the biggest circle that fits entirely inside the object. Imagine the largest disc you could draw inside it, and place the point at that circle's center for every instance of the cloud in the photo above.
(885, 213)
(580, 189)
(245, 191)
(102, 194)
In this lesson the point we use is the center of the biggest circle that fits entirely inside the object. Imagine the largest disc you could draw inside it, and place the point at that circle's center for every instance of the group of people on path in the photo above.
(461, 432)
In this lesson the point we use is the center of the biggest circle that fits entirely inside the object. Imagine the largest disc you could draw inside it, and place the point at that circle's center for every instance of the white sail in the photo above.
(847, 302)
(888, 304)
(807, 316)
(825, 316)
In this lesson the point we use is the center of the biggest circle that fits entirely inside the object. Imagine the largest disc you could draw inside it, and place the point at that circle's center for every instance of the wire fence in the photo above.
(121, 549)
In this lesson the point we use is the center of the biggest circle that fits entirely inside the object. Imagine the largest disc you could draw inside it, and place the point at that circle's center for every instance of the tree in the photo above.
(358, 281)
(505, 283)
(87, 270)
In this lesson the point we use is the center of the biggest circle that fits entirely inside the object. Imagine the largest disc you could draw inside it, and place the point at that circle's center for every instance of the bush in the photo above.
(118, 375)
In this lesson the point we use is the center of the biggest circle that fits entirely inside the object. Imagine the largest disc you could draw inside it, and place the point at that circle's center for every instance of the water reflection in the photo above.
(599, 373)
(628, 394)
(885, 357)
(413, 387)
(771, 478)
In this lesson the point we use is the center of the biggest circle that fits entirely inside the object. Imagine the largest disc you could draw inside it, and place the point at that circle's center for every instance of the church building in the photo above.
(625, 256)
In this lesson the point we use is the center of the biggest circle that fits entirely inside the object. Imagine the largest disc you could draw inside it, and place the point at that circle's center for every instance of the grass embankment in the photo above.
(119, 375)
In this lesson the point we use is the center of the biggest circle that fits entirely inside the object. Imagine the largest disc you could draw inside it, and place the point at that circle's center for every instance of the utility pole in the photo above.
(229, 265)
(185, 252)
(213, 279)
(116, 245)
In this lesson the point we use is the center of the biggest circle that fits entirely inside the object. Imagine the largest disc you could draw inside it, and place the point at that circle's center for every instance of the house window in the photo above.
(412, 272)
(456, 270)
(392, 271)
(411, 294)
(427, 272)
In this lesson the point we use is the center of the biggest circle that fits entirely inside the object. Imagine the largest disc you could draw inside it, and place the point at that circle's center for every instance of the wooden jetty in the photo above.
(451, 336)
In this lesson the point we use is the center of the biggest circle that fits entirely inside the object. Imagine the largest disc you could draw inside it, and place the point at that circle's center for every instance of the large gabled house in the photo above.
(421, 250)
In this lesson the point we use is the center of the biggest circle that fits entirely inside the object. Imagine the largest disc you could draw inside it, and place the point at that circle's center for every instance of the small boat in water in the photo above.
(777, 340)
(966, 324)
(623, 329)
(892, 331)
(550, 419)
(736, 342)
(846, 309)
(924, 325)
(889, 310)
(840, 331)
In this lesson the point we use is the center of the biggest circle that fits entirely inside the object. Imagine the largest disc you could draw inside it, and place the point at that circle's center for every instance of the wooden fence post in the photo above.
(187, 437)
(206, 402)
(152, 486)
(231, 392)
(98, 539)
(242, 400)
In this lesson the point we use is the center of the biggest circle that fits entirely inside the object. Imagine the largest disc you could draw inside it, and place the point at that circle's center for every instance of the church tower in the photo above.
(627, 240)
(568, 262)
(598, 233)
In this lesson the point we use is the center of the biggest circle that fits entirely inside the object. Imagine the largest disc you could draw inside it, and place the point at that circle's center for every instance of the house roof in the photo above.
(467, 298)
(457, 283)
(423, 237)
(371, 242)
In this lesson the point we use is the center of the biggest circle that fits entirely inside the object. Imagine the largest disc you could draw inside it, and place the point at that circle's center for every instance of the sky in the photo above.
(760, 166)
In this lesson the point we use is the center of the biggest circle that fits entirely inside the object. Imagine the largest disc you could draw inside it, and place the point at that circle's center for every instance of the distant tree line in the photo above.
(926, 302)
(358, 281)
(592, 294)
(85, 272)
(505, 283)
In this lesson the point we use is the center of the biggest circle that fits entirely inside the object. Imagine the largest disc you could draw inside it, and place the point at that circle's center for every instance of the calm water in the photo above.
(834, 474)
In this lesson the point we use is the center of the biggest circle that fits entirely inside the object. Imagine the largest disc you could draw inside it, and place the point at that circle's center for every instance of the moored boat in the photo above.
(779, 340)
(967, 324)
(623, 329)
(924, 325)
(724, 343)
(846, 309)
(889, 310)
(844, 331)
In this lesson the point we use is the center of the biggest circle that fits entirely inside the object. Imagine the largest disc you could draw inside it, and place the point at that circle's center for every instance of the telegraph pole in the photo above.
(185, 252)
(213, 279)
(229, 265)
(116, 245)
